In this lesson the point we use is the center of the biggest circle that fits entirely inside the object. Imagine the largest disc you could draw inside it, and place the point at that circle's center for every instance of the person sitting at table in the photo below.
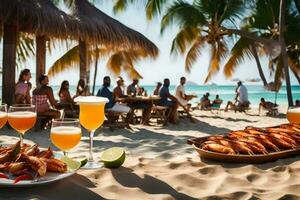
(157, 88)
(112, 105)
(65, 99)
(22, 89)
(142, 92)
(82, 89)
(133, 88)
(182, 98)
(267, 105)
(170, 101)
(40, 97)
(118, 90)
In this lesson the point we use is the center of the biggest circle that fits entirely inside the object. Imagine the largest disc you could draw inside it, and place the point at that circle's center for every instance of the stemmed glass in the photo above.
(65, 133)
(3, 115)
(293, 115)
(91, 117)
(22, 117)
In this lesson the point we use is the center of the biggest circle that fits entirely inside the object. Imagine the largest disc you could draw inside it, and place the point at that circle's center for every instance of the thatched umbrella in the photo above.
(110, 32)
(39, 17)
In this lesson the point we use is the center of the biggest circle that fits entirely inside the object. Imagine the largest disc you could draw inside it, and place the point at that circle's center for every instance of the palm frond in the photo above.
(70, 60)
(184, 38)
(239, 52)
(123, 60)
(184, 14)
(218, 53)
(154, 7)
(194, 53)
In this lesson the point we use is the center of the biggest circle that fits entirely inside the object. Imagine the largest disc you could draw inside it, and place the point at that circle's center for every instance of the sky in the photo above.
(165, 66)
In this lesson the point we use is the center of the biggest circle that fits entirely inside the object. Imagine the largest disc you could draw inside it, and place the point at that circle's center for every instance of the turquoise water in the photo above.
(226, 92)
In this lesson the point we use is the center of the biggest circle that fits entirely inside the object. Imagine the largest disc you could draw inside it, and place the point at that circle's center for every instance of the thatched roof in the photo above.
(39, 17)
(108, 31)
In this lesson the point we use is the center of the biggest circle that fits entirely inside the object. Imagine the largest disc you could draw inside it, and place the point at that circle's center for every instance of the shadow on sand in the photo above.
(147, 184)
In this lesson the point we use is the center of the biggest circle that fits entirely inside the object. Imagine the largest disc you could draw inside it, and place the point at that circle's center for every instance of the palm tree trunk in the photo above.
(260, 71)
(96, 69)
(284, 56)
(83, 64)
(40, 57)
(10, 37)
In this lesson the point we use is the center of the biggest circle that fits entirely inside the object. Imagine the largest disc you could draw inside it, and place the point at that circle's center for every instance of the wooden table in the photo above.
(131, 99)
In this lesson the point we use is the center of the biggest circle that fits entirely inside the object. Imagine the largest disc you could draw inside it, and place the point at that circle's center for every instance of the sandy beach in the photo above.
(160, 165)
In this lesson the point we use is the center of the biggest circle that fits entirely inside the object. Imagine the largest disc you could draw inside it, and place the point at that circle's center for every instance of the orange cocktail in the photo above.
(87, 111)
(22, 117)
(22, 121)
(91, 117)
(293, 115)
(3, 118)
(65, 137)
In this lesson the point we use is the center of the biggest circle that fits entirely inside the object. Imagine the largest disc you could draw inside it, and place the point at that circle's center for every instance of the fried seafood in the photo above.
(21, 161)
(253, 140)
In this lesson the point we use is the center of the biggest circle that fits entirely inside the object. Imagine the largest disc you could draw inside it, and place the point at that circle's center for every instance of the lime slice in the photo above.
(83, 162)
(113, 157)
(73, 165)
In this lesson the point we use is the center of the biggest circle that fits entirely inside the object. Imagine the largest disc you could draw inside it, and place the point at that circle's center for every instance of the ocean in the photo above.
(226, 92)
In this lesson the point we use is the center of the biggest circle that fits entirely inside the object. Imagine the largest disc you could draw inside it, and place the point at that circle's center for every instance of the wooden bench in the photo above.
(116, 120)
(160, 113)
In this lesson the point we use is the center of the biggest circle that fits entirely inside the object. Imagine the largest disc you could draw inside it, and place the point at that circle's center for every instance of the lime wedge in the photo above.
(73, 165)
(113, 157)
(83, 162)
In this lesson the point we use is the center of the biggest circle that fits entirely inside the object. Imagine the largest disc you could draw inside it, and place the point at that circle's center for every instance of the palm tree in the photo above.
(202, 23)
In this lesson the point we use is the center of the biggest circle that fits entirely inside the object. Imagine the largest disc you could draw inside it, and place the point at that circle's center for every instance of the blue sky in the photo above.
(165, 65)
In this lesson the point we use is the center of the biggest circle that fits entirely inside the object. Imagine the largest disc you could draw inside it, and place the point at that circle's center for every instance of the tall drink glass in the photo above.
(293, 115)
(91, 117)
(22, 117)
(65, 134)
(3, 115)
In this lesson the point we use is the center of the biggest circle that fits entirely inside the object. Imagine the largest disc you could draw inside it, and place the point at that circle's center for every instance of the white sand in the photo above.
(160, 165)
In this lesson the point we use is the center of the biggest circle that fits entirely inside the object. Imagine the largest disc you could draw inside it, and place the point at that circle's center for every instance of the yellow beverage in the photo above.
(91, 115)
(22, 121)
(65, 137)
(3, 118)
(293, 115)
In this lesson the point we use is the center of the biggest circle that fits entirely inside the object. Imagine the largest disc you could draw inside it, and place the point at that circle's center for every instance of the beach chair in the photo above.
(185, 112)
(215, 108)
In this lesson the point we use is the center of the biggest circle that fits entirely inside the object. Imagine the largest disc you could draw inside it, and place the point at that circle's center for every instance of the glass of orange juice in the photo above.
(3, 115)
(91, 117)
(65, 134)
(293, 115)
(22, 117)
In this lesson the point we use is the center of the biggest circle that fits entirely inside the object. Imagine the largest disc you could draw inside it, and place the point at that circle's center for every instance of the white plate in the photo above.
(48, 178)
